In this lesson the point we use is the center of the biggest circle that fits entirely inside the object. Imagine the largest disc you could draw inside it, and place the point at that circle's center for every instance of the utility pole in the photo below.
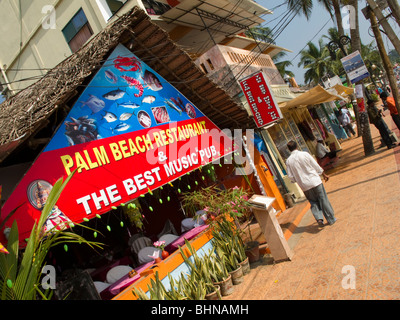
(395, 8)
(388, 29)
(385, 59)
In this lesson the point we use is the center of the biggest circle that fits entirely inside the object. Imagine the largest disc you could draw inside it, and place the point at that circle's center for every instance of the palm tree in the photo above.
(261, 33)
(306, 6)
(363, 116)
(317, 60)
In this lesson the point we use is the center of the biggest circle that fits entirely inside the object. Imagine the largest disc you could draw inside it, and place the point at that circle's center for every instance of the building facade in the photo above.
(37, 35)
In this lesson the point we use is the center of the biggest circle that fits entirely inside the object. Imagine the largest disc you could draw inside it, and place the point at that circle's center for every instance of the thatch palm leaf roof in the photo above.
(23, 115)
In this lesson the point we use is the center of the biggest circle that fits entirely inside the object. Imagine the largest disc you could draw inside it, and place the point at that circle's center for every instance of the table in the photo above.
(125, 281)
(187, 235)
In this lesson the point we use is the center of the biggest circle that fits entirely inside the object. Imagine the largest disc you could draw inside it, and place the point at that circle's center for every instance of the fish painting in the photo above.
(110, 76)
(121, 127)
(151, 81)
(114, 95)
(170, 104)
(125, 116)
(178, 102)
(109, 117)
(149, 99)
(130, 105)
(95, 104)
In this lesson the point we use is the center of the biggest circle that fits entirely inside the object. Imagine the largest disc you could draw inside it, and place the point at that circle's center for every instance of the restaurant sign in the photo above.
(129, 132)
(260, 99)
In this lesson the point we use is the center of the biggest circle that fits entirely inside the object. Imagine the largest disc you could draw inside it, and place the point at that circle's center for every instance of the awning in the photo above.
(341, 90)
(313, 96)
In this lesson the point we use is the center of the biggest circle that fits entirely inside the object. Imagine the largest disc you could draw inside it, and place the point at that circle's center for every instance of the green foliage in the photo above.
(214, 266)
(214, 201)
(133, 213)
(19, 278)
(228, 243)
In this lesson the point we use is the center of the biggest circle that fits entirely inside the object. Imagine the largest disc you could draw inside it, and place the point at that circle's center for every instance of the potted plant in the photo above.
(20, 273)
(219, 274)
(217, 202)
(161, 245)
(201, 272)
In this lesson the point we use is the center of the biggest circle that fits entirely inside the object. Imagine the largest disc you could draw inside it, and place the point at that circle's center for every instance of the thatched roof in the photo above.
(25, 114)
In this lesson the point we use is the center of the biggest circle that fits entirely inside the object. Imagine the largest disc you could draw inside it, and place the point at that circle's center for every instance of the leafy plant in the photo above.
(198, 267)
(215, 202)
(133, 213)
(217, 267)
(19, 278)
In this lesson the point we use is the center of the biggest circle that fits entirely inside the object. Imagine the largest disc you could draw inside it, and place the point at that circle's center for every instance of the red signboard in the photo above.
(123, 143)
(261, 100)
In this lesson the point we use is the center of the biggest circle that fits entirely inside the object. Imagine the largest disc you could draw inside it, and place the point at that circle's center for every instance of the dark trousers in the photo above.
(383, 132)
(396, 120)
(349, 129)
(320, 204)
(331, 154)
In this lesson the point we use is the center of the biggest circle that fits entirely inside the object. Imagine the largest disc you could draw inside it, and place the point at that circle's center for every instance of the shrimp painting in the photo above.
(132, 82)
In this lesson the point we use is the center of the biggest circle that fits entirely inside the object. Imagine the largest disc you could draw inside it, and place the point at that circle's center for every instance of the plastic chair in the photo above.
(100, 286)
(140, 243)
(168, 238)
(168, 229)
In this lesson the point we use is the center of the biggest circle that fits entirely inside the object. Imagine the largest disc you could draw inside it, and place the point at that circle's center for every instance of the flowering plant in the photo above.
(214, 201)
(159, 244)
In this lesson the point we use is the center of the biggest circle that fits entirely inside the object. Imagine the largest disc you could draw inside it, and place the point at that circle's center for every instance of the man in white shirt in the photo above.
(305, 171)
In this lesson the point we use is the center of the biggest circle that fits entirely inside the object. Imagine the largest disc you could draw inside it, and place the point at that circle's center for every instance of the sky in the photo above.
(296, 35)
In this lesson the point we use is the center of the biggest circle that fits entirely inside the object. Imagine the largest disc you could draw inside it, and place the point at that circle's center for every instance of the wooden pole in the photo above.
(385, 58)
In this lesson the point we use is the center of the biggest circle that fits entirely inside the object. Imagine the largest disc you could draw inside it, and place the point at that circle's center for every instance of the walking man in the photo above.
(303, 169)
(345, 122)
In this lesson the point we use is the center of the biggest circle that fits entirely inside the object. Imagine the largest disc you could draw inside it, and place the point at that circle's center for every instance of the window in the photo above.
(77, 31)
(203, 67)
(155, 7)
(110, 7)
(210, 64)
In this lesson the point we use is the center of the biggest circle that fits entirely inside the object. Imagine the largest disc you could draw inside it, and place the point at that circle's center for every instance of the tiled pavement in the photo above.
(365, 194)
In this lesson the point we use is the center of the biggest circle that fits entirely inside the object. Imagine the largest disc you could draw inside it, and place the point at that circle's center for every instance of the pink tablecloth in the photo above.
(187, 235)
(125, 281)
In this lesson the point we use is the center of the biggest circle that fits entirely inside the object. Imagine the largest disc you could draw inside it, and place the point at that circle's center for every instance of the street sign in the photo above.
(261, 100)
(354, 66)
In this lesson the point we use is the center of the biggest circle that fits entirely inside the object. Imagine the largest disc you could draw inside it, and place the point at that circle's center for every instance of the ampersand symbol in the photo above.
(162, 157)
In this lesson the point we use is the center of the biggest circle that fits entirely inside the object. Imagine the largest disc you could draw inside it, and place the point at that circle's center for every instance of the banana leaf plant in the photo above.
(20, 272)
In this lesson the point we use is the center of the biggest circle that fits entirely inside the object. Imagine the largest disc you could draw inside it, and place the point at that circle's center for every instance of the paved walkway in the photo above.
(365, 194)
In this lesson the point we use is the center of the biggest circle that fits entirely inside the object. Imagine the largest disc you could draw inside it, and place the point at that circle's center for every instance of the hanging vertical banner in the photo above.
(354, 66)
(128, 133)
(260, 99)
